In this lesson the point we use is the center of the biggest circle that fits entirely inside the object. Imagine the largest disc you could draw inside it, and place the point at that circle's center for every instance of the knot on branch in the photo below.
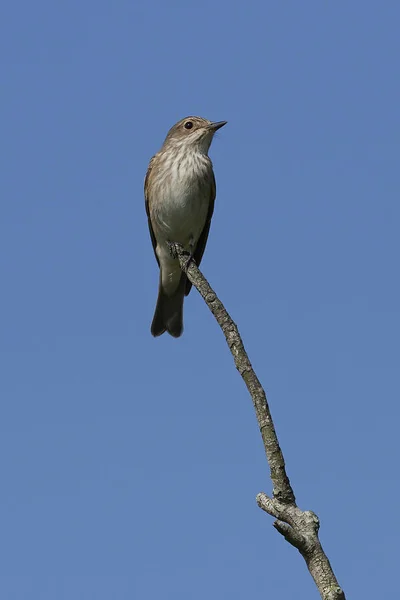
(335, 593)
(298, 527)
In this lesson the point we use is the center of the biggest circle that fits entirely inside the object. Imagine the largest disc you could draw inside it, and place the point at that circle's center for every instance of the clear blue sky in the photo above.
(129, 465)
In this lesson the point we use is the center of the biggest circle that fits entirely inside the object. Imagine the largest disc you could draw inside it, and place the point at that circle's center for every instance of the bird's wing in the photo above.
(146, 201)
(201, 244)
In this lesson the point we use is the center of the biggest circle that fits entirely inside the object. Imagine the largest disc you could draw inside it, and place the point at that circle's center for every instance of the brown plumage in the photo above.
(179, 195)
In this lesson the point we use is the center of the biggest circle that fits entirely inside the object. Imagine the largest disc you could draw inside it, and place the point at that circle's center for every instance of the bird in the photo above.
(179, 192)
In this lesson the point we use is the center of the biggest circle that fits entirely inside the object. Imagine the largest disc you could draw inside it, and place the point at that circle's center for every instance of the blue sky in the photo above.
(130, 465)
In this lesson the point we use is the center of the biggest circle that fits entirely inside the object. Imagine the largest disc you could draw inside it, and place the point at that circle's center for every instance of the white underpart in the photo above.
(184, 191)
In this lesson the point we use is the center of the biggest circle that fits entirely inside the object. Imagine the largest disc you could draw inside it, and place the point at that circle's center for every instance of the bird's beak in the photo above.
(217, 125)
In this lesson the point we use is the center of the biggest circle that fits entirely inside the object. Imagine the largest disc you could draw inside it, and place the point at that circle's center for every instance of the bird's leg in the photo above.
(191, 253)
(173, 248)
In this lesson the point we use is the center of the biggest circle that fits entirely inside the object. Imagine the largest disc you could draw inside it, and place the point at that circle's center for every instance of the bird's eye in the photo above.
(188, 125)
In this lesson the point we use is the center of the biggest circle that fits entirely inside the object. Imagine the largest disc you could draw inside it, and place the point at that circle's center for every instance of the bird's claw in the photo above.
(190, 258)
(173, 248)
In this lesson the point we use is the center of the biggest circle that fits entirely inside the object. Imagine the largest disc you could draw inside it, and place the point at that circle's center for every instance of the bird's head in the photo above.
(193, 132)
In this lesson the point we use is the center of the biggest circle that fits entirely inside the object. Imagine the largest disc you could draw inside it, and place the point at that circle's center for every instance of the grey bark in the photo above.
(298, 527)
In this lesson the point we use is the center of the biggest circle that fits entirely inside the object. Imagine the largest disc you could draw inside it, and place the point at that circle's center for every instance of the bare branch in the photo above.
(299, 528)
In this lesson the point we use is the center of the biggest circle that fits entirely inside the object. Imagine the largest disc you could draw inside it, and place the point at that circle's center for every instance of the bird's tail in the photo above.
(168, 315)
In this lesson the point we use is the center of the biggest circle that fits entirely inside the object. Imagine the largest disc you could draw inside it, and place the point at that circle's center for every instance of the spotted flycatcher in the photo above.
(179, 191)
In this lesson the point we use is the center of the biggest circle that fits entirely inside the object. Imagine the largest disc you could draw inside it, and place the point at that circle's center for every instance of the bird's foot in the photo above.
(190, 254)
(174, 247)
(190, 258)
